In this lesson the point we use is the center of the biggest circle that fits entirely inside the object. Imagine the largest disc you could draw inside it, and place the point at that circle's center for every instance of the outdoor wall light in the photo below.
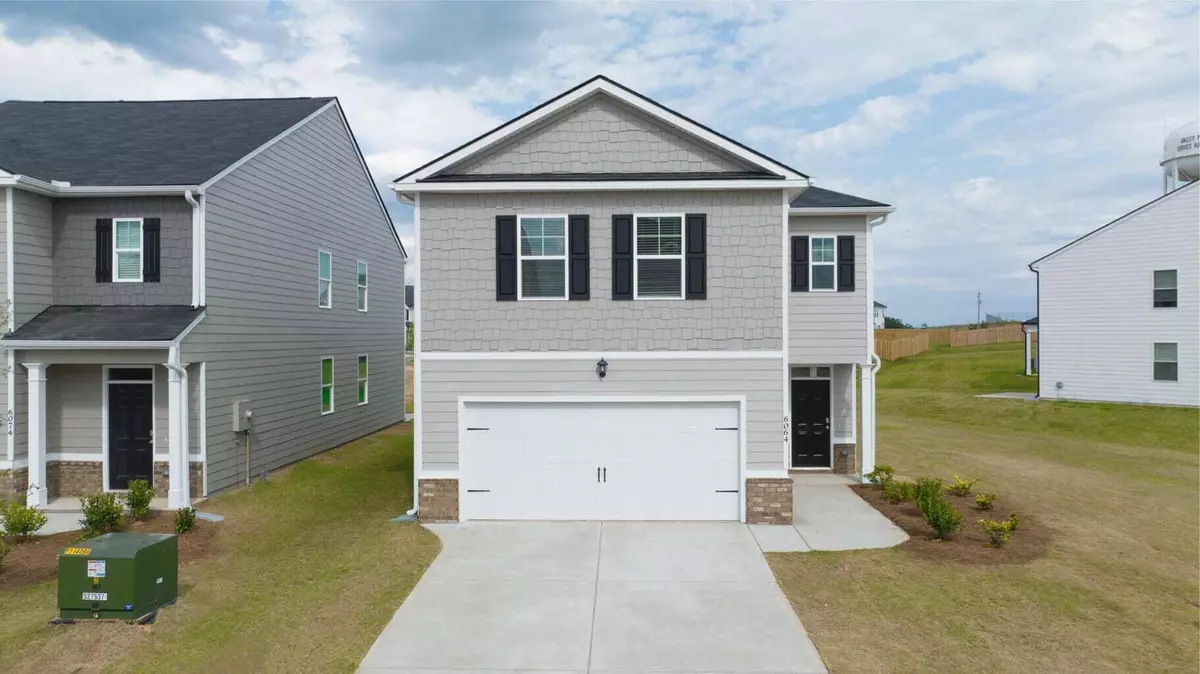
(602, 367)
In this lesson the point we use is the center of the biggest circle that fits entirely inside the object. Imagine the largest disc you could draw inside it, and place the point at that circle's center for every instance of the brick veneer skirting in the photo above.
(162, 478)
(845, 459)
(13, 484)
(74, 478)
(438, 500)
(769, 501)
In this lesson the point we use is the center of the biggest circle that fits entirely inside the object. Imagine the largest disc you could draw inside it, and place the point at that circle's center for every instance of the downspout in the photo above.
(875, 363)
(196, 247)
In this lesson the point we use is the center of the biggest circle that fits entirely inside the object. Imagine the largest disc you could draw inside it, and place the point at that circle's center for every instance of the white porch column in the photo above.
(38, 494)
(868, 419)
(1028, 353)
(178, 495)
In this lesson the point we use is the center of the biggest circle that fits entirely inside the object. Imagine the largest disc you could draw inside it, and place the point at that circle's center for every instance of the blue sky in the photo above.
(999, 130)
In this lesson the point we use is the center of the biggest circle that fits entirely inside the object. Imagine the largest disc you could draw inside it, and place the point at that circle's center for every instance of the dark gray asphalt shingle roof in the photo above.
(107, 324)
(819, 197)
(140, 142)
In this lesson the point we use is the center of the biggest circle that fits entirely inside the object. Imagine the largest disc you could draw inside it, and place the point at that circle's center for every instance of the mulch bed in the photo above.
(36, 560)
(969, 545)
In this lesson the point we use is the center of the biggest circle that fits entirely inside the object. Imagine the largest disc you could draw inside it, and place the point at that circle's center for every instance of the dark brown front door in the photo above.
(130, 434)
(810, 423)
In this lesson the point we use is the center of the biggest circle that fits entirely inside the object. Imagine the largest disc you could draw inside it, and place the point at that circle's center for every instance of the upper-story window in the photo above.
(324, 279)
(823, 263)
(658, 257)
(362, 285)
(1166, 288)
(127, 249)
(542, 257)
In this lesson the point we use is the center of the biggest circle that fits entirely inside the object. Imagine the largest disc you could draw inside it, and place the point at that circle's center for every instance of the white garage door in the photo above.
(601, 461)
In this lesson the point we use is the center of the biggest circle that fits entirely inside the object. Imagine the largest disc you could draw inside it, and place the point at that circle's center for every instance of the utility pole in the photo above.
(978, 308)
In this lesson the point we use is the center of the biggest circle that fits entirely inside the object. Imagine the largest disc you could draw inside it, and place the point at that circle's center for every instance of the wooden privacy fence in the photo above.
(998, 335)
(936, 335)
(897, 348)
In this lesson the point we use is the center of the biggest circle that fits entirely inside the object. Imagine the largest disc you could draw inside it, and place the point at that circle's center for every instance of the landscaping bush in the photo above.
(961, 487)
(138, 498)
(101, 512)
(1014, 520)
(185, 520)
(998, 533)
(881, 475)
(928, 488)
(899, 491)
(984, 501)
(939, 513)
(21, 521)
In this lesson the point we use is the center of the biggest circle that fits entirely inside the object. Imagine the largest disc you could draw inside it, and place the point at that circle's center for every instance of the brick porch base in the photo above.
(438, 500)
(769, 501)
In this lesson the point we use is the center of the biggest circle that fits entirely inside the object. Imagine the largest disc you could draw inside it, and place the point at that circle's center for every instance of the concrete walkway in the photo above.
(828, 516)
(595, 597)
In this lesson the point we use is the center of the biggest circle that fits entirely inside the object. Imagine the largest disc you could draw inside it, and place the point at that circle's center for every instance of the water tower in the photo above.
(1181, 156)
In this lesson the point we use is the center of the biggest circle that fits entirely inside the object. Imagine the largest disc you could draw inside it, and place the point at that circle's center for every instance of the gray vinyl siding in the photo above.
(459, 310)
(74, 409)
(831, 327)
(600, 135)
(263, 336)
(33, 281)
(444, 381)
(20, 408)
(75, 251)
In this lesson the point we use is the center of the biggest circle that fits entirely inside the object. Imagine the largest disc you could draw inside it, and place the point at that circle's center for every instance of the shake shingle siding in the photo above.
(263, 336)
(830, 327)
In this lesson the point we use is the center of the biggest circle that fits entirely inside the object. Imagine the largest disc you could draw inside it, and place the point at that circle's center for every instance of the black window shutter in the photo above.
(622, 258)
(151, 250)
(845, 263)
(104, 250)
(506, 258)
(799, 264)
(696, 281)
(578, 259)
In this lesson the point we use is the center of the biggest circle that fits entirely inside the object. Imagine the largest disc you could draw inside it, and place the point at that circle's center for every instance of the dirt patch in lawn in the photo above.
(36, 561)
(969, 545)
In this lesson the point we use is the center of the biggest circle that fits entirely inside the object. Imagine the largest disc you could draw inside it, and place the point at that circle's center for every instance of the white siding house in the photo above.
(1119, 308)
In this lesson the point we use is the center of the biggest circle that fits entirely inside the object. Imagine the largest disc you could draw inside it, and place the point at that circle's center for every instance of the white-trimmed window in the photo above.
(1166, 288)
(324, 279)
(542, 257)
(363, 392)
(362, 285)
(127, 249)
(658, 257)
(326, 385)
(1166, 361)
(822, 265)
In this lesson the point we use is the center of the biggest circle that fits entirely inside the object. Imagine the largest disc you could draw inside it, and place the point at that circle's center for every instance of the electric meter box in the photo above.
(121, 576)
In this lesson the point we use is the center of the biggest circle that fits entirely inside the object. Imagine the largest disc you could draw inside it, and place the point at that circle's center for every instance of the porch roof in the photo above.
(106, 324)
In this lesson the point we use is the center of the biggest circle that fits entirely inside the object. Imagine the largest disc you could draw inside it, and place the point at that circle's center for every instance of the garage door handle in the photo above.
(469, 428)
(479, 491)
(729, 428)
(606, 474)
(597, 473)
(727, 491)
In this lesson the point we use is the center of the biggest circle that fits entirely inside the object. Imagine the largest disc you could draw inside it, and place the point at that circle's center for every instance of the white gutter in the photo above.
(857, 210)
(61, 189)
(195, 247)
(595, 185)
(60, 344)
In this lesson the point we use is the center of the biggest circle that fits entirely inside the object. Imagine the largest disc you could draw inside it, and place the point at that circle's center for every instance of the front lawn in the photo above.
(307, 572)
(1115, 484)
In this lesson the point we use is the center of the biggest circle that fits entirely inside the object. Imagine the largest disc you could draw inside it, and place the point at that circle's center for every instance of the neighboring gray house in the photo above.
(623, 314)
(169, 266)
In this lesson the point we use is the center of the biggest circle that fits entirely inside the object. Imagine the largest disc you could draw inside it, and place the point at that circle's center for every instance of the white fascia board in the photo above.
(59, 190)
(621, 355)
(405, 188)
(599, 85)
(60, 344)
(859, 210)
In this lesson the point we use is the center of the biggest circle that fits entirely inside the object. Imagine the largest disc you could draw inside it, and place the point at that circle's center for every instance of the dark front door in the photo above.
(810, 423)
(130, 434)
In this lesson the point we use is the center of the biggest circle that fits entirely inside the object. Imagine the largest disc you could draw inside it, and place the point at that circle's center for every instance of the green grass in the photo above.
(308, 572)
(1117, 484)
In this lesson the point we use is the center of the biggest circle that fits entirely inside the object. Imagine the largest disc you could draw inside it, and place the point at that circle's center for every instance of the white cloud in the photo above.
(870, 125)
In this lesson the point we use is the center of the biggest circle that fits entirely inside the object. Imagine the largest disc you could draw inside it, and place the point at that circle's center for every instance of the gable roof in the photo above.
(819, 197)
(1153, 202)
(125, 143)
(604, 85)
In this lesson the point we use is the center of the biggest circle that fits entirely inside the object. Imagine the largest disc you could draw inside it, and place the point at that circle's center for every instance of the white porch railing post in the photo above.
(37, 494)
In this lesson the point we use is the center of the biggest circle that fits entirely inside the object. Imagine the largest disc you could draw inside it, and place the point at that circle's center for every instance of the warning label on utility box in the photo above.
(96, 568)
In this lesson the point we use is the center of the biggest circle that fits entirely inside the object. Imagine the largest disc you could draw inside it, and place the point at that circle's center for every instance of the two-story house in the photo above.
(623, 314)
(196, 292)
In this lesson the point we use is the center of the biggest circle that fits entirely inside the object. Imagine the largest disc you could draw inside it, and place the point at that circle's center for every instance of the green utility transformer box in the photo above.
(121, 576)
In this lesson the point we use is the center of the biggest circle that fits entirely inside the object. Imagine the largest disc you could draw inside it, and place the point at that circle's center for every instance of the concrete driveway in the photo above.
(595, 597)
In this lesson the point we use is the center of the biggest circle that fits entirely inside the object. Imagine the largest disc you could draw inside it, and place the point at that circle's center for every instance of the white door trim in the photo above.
(104, 382)
(829, 379)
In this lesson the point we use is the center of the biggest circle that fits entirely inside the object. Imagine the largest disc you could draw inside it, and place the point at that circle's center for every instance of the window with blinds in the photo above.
(127, 249)
(658, 257)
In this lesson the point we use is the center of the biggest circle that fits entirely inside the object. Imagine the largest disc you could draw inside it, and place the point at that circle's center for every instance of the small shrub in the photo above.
(138, 498)
(1014, 520)
(939, 513)
(21, 521)
(101, 512)
(961, 487)
(881, 475)
(998, 533)
(185, 520)
(927, 488)
(984, 501)
(900, 491)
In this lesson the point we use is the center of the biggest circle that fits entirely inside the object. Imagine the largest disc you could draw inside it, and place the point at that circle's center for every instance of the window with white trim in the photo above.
(542, 257)
(362, 285)
(127, 249)
(324, 279)
(822, 264)
(362, 380)
(1166, 361)
(658, 257)
(1166, 288)
(326, 385)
